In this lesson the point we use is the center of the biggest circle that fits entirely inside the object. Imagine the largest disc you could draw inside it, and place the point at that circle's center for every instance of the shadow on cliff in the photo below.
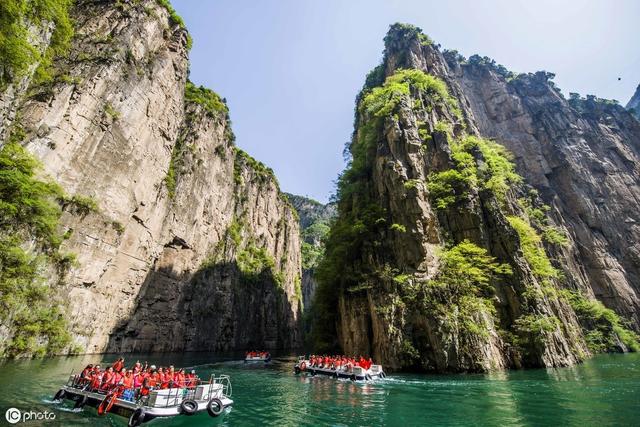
(217, 308)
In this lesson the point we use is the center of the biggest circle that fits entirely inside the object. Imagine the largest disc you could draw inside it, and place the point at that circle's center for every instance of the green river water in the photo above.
(604, 391)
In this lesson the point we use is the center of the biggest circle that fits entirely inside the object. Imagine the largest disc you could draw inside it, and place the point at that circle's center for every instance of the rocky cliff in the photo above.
(452, 253)
(634, 103)
(187, 243)
(315, 219)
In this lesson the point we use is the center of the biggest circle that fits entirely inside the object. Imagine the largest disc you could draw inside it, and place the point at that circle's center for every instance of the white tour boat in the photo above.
(212, 396)
(354, 373)
(251, 359)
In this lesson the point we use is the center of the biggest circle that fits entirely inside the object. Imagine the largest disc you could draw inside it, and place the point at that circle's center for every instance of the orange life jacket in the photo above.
(127, 381)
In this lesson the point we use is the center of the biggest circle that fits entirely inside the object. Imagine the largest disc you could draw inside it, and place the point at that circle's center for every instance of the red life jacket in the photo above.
(127, 381)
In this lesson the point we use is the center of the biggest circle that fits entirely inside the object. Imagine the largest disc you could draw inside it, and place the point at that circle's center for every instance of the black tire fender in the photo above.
(189, 406)
(215, 407)
(60, 395)
(137, 418)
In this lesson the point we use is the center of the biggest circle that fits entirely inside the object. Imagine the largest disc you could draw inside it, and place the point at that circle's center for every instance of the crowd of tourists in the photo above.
(254, 354)
(343, 363)
(136, 381)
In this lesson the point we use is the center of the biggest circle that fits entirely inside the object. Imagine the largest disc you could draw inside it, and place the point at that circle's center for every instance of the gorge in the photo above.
(484, 221)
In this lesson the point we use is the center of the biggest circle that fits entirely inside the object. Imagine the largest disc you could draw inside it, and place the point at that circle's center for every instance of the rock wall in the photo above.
(634, 103)
(424, 193)
(155, 269)
(315, 219)
(583, 157)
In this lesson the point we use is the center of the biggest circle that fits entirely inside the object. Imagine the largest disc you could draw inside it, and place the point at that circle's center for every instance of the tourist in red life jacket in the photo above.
(145, 387)
(179, 378)
(106, 378)
(96, 380)
(128, 382)
(118, 365)
(138, 378)
(117, 377)
(137, 367)
(191, 379)
(85, 372)
(164, 378)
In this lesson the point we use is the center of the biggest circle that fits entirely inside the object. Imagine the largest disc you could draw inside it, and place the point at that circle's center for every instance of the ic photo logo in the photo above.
(15, 415)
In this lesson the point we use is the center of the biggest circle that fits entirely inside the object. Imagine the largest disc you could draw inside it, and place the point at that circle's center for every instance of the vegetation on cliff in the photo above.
(29, 249)
(604, 328)
(17, 19)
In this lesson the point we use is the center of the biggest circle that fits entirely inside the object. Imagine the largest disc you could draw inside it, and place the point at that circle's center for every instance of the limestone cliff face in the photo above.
(193, 247)
(583, 157)
(315, 219)
(634, 103)
(425, 198)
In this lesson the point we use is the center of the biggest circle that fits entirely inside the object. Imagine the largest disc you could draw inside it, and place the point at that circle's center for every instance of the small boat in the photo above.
(354, 373)
(212, 396)
(259, 357)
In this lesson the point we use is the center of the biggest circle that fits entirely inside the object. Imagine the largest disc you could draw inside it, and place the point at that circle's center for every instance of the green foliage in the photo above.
(29, 214)
(467, 269)
(80, 205)
(253, 260)
(555, 237)
(531, 328)
(498, 172)
(117, 225)
(410, 184)
(461, 293)
(532, 249)
(495, 173)
(27, 205)
(398, 227)
(381, 101)
(175, 165)
(311, 255)
(111, 112)
(400, 32)
(443, 187)
(208, 99)
(16, 53)
(601, 325)
(242, 159)
(174, 18)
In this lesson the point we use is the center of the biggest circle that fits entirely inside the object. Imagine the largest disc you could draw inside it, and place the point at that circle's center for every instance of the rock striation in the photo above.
(192, 245)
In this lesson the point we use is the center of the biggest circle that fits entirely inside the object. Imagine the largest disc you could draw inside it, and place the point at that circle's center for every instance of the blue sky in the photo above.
(290, 69)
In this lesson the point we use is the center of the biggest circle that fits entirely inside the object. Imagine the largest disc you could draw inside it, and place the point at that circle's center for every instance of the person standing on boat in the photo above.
(179, 378)
(118, 364)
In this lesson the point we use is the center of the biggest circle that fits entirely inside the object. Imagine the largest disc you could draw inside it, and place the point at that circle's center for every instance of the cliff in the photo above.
(634, 103)
(315, 220)
(186, 242)
(479, 218)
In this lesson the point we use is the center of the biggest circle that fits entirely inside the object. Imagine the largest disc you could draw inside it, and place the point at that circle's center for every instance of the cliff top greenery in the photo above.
(208, 99)
(402, 33)
(16, 53)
